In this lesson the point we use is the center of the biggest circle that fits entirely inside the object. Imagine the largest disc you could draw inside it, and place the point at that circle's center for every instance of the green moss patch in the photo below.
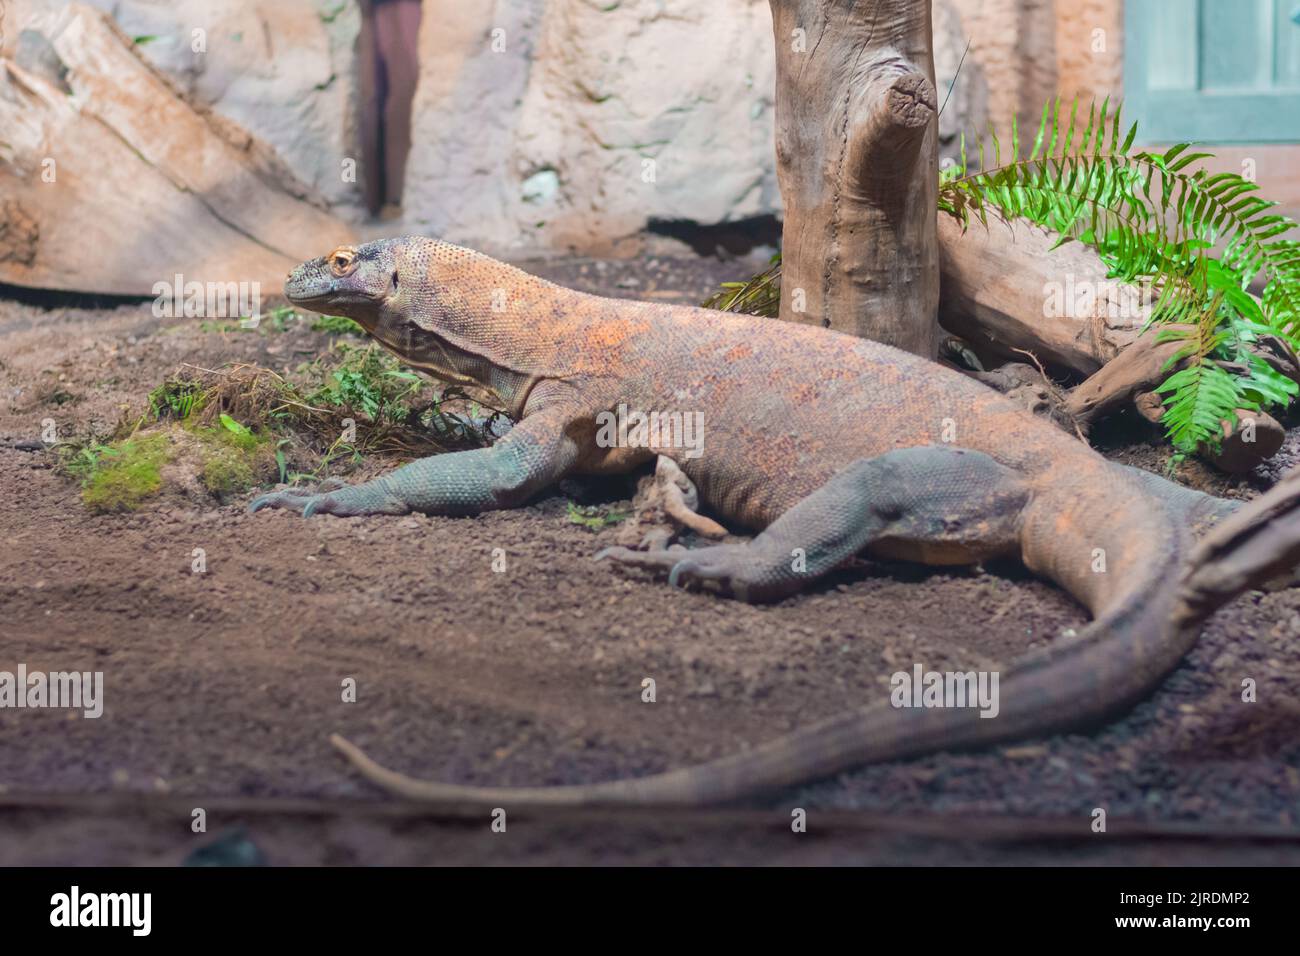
(173, 459)
(231, 458)
(211, 434)
(120, 476)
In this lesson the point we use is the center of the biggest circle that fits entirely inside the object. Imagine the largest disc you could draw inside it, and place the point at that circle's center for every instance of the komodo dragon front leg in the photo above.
(941, 504)
(536, 453)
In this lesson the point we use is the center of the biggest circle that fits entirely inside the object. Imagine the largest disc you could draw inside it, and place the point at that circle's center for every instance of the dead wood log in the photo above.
(856, 153)
(110, 181)
(1253, 437)
(1004, 289)
(1247, 549)
(1029, 387)
(1135, 371)
(1150, 406)
(1249, 439)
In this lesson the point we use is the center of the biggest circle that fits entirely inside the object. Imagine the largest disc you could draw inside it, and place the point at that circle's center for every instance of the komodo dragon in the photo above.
(826, 444)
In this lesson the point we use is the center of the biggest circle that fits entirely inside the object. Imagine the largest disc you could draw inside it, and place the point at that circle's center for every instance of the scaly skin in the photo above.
(826, 444)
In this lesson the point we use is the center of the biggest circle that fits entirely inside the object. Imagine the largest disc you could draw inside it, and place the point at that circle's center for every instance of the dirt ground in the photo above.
(224, 686)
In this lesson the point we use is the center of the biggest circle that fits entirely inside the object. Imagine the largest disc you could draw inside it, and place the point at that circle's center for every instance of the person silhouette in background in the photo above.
(390, 67)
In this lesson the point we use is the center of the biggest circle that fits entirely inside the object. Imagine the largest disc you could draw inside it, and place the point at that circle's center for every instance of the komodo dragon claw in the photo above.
(729, 566)
(294, 498)
(663, 559)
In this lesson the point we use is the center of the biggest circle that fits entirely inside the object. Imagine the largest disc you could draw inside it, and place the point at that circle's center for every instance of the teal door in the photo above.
(1220, 71)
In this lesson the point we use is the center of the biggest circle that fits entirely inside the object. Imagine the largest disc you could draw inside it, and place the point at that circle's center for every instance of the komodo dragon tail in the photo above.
(1080, 681)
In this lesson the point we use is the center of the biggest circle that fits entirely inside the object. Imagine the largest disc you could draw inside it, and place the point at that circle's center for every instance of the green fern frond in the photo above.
(760, 295)
(1153, 216)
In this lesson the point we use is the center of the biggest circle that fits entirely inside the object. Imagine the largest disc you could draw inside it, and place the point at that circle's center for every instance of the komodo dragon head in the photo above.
(412, 294)
(346, 281)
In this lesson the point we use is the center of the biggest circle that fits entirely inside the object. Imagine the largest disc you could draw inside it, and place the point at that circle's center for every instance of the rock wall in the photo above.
(574, 123)
(112, 181)
(1028, 51)
(282, 69)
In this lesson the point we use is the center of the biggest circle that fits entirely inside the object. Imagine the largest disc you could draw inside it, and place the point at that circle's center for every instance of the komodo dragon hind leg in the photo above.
(1202, 513)
(937, 504)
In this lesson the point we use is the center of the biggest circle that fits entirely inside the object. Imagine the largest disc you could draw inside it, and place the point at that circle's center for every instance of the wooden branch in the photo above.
(1246, 550)
(1135, 371)
(1004, 288)
(856, 151)
(150, 806)
(1250, 439)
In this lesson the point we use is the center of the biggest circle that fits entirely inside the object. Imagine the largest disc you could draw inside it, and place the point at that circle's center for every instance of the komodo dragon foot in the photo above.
(331, 497)
(946, 505)
(737, 569)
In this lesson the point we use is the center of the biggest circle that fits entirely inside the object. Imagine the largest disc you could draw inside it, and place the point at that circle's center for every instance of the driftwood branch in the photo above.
(1004, 288)
(110, 180)
(1246, 550)
(1136, 370)
(1007, 292)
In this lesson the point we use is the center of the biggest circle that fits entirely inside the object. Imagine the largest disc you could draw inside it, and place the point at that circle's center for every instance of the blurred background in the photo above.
(534, 126)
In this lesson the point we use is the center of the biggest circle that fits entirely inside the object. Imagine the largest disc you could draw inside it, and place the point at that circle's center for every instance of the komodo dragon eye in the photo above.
(341, 261)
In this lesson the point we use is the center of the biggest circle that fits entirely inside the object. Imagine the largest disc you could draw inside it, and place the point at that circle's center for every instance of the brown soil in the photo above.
(226, 684)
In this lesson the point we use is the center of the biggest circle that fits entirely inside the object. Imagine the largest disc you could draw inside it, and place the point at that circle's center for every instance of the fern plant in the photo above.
(1153, 218)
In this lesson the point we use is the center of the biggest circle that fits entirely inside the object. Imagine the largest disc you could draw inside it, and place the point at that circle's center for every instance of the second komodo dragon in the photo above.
(827, 444)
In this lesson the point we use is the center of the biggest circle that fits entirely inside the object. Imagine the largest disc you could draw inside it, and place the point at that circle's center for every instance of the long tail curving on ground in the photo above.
(1113, 663)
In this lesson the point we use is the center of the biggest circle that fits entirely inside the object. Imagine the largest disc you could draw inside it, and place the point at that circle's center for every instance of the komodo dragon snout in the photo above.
(337, 279)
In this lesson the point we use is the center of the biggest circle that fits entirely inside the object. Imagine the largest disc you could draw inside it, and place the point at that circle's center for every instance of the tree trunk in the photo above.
(856, 155)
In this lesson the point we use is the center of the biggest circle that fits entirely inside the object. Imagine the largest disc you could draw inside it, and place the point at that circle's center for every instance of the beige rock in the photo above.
(1029, 51)
(538, 125)
(282, 69)
(575, 124)
(572, 124)
(965, 90)
(111, 182)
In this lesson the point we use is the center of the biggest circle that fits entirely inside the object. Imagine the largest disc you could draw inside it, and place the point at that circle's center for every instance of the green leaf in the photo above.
(1132, 134)
(235, 427)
